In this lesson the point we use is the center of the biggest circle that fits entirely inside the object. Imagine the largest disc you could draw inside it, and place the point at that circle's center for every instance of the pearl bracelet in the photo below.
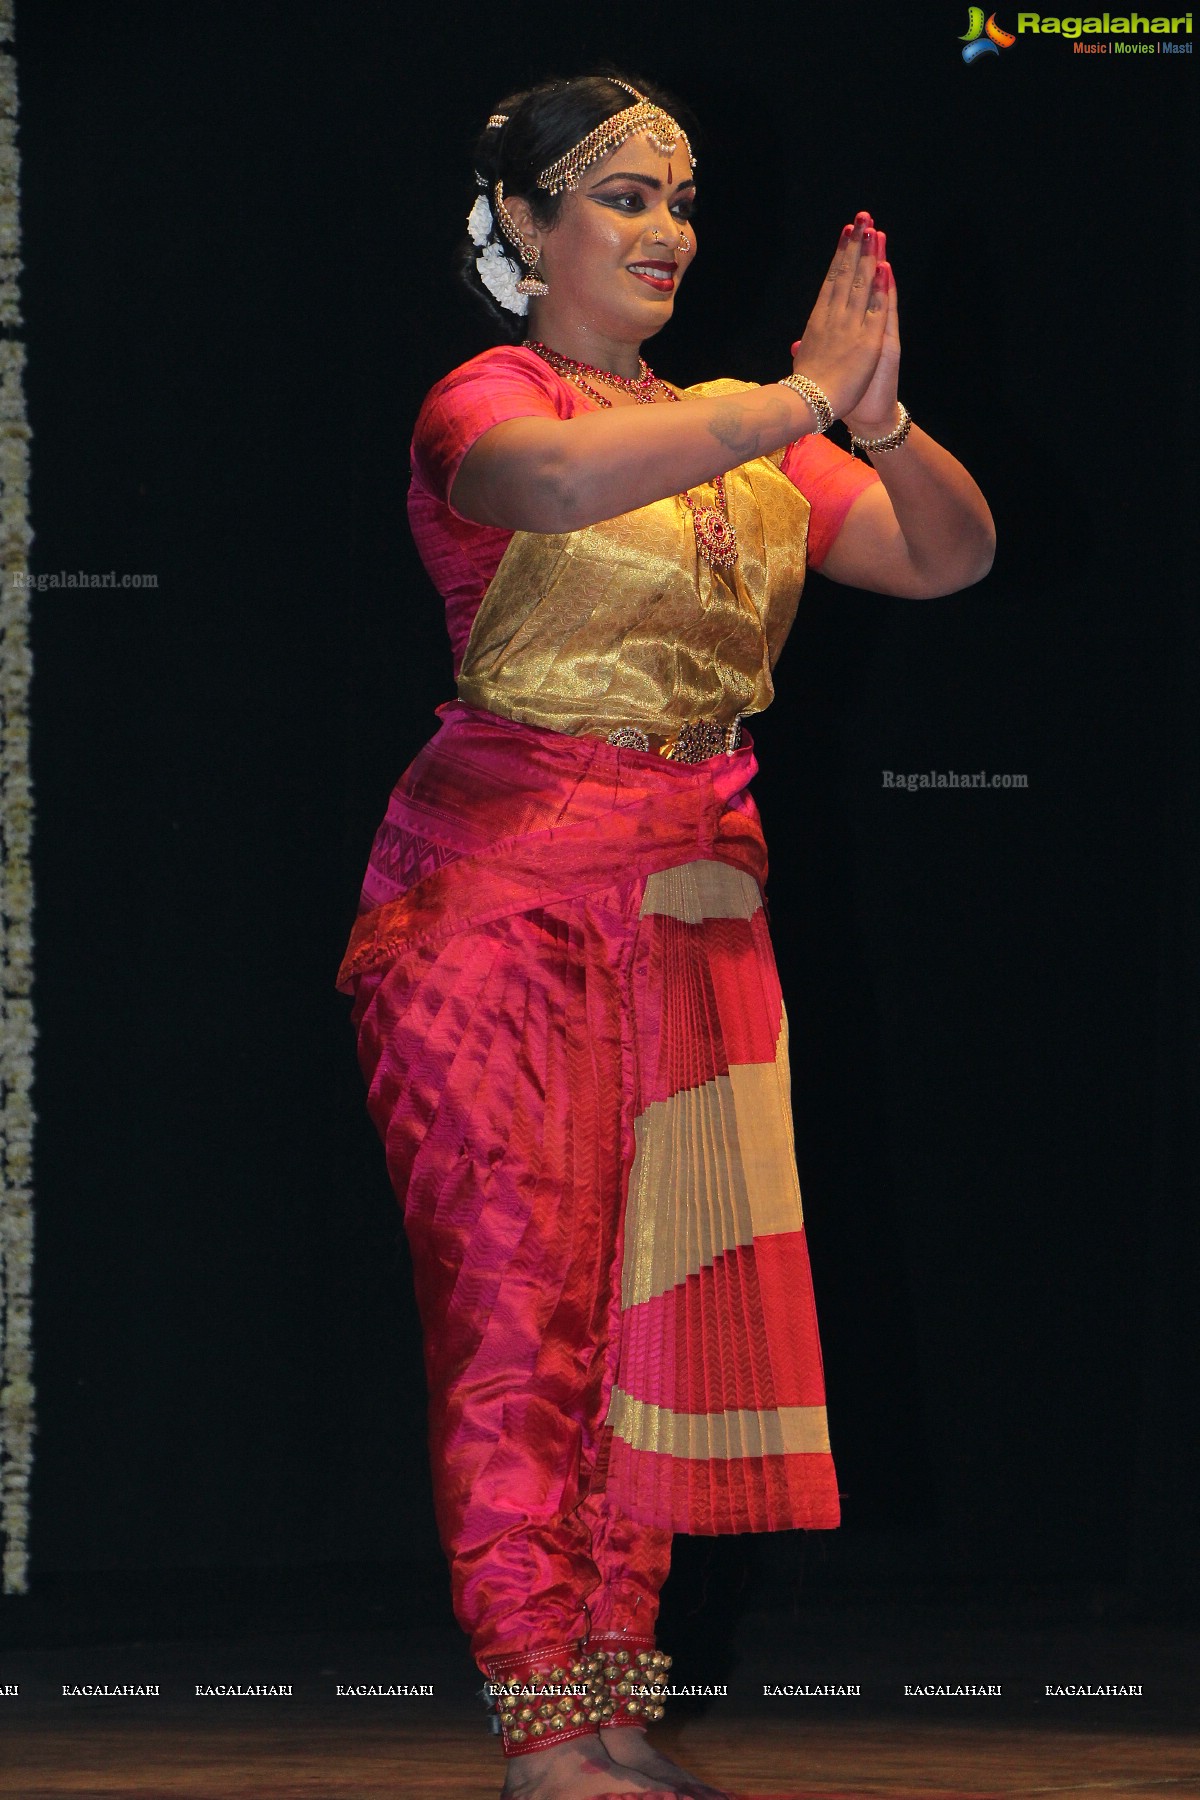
(892, 441)
(816, 397)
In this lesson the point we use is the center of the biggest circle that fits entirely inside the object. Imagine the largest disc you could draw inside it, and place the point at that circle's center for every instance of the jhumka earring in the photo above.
(530, 255)
(532, 283)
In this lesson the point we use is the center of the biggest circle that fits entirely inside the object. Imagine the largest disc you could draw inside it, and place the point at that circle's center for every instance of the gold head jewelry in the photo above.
(530, 283)
(643, 119)
(508, 226)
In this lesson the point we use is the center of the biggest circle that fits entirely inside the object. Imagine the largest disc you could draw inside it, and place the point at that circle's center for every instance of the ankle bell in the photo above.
(545, 1697)
(635, 1678)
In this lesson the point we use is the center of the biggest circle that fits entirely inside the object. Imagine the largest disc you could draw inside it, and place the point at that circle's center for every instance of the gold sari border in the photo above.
(714, 1168)
(721, 1436)
(695, 891)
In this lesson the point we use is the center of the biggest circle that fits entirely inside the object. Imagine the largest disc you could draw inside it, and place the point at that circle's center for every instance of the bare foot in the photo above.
(628, 1744)
(580, 1769)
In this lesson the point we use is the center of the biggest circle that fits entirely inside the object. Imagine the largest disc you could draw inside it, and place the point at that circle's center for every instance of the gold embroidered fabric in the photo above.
(767, 1431)
(623, 624)
(714, 1167)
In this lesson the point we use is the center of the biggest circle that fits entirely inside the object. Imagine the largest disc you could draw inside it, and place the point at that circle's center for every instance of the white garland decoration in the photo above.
(17, 1031)
(500, 275)
(479, 221)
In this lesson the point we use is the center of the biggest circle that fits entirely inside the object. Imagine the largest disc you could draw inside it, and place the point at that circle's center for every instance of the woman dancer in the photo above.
(566, 1003)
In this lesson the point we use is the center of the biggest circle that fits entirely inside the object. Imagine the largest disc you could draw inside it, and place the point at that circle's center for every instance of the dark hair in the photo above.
(543, 123)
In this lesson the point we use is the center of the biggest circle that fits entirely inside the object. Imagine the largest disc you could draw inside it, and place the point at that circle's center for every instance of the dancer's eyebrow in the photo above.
(646, 181)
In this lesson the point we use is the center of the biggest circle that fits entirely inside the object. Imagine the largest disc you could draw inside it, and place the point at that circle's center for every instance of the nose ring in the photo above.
(685, 242)
(657, 235)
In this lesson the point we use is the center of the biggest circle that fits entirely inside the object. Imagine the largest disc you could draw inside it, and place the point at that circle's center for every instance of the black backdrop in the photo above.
(240, 223)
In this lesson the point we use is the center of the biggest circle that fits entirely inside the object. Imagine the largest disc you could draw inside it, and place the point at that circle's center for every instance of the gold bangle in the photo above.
(892, 441)
(817, 398)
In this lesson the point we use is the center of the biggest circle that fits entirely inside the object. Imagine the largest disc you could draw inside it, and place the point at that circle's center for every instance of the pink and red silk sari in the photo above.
(575, 1049)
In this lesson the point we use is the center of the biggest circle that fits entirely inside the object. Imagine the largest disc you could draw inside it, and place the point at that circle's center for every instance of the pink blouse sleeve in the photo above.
(505, 383)
(831, 481)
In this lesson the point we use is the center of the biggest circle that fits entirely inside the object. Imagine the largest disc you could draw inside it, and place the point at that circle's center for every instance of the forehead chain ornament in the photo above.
(642, 119)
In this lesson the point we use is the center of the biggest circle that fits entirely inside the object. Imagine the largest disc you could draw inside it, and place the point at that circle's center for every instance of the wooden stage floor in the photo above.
(323, 1757)
(882, 1743)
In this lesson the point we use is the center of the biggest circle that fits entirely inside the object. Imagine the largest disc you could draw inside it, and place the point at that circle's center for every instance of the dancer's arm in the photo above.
(925, 528)
(538, 474)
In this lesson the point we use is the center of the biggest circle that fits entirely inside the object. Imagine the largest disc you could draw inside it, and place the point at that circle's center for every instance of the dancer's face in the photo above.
(621, 244)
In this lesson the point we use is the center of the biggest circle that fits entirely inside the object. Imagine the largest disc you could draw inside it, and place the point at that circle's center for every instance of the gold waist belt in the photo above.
(694, 742)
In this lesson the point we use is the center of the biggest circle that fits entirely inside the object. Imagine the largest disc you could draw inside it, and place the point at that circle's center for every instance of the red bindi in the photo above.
(670, 176)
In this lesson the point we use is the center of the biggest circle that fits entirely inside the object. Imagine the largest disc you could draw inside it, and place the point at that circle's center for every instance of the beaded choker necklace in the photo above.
(716, 539)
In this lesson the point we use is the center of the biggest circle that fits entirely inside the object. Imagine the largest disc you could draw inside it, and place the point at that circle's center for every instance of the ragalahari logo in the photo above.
(983, 38)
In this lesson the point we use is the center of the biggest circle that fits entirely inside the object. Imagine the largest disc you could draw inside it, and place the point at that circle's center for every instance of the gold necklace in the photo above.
(716, 539)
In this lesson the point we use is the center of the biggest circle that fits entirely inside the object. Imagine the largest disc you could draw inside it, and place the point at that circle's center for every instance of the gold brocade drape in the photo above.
(623, 623)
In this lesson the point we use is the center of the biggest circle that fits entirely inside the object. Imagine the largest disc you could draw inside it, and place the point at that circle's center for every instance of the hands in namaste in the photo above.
(851, 344)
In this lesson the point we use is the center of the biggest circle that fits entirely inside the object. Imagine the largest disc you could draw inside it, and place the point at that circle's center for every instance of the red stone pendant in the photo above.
(716, 539)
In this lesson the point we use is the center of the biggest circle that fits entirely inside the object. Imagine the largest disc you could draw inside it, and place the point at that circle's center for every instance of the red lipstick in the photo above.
(659, 275)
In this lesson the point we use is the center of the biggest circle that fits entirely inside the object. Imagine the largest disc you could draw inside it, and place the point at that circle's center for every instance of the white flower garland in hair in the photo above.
(500, 275)
(479, 221)
(17, 1032)
(496, 269)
